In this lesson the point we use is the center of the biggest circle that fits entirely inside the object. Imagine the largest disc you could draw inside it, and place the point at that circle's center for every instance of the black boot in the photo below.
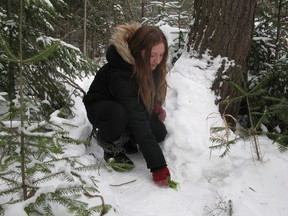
(114, 154)
(131, 147)
(117, 158)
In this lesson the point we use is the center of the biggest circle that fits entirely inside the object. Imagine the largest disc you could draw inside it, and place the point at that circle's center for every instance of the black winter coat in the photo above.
(114, 81)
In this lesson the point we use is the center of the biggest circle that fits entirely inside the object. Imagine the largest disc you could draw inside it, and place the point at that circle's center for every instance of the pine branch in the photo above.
(261, 84)
(10, 191)
(11, 56)
(70, 188)
(222, 136)
(73, 206)
(48, 177)
(90, 167)
(70, 82)
(43, 55)
(223, 144)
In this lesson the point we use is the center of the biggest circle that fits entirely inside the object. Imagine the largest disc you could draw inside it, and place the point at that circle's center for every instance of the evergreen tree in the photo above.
(45, 79)
(268, 60)
(31, 139)
(174, 14)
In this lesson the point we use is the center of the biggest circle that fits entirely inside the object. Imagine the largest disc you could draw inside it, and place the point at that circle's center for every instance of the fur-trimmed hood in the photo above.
(119, 38)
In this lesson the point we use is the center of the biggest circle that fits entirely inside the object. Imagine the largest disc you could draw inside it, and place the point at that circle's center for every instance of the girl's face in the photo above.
(156, 55)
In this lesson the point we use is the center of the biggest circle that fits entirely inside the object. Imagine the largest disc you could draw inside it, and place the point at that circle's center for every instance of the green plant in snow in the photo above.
(278, 110)
(256, 119)
(222, 137)
(27, 169)
(268, 60)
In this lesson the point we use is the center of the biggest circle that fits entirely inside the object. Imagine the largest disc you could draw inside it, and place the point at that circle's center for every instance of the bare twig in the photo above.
(87, 194)
(118, 185)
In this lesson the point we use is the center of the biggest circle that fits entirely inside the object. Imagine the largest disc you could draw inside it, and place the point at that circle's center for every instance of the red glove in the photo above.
(161, 176)
(158, 109)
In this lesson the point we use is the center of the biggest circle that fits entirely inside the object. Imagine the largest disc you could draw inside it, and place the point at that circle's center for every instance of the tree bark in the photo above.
(224, 27)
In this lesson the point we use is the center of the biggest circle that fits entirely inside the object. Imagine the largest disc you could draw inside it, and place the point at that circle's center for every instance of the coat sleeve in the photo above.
(125, 91)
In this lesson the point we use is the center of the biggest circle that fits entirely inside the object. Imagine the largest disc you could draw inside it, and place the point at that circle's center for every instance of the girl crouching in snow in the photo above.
(125, 99)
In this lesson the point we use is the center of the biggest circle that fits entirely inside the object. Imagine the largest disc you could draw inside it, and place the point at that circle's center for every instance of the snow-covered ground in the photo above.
(209, 185)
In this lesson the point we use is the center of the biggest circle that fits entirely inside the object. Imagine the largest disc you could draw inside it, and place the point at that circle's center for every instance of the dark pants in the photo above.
(111, 119)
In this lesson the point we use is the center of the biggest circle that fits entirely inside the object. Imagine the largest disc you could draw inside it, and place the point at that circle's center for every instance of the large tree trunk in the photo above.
(225, 28)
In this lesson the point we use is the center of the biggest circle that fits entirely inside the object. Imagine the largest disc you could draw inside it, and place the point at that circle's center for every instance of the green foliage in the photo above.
(174, 14)
(31, 142)
(179, 45)
(50, 64)
(269, 62)
(256, 116)
(44, 161)
(223, 137)
(66, 197)
(269, 109)
(120, 167)
(173, 184)
(278, 115)
(259, 114)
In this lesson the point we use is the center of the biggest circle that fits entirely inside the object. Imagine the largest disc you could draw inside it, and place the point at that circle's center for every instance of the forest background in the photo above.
(47, 45)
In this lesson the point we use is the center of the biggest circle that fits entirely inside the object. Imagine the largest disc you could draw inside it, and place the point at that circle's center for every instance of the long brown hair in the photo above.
(144, 38)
